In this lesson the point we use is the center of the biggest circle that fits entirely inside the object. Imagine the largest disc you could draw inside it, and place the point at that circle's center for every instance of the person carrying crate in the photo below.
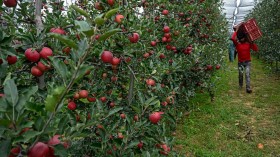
(243, 47)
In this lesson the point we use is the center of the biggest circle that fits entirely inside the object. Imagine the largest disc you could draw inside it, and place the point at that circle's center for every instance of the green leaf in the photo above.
(5, 147)
(5, 122)
(82, 71)
(11, 92)
(108, 34)
(25, 95)
(146, 154)
(115, 110)
(84, 27)
(34, 107)
(141, 97)
(6, 40)
(81, 11)
(50, 103)
(8, 51)
(64, 39)
(62, 123)
(132, 144)
(30, 134)
(27, 125)
(155, 102)
(3, 70)
(111, 12)
(60, 150)
(83, 46)
(4, 105)
(136, 109)
(60, 67)
(147, 102)
(99, 21)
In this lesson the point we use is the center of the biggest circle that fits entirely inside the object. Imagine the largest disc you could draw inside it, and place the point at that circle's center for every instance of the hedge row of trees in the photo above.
(106, 77)
(267, 15)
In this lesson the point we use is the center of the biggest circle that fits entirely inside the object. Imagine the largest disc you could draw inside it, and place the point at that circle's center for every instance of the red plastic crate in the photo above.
(252, 30)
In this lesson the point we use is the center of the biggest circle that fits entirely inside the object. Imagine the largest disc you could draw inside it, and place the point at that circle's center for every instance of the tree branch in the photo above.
(40, 27)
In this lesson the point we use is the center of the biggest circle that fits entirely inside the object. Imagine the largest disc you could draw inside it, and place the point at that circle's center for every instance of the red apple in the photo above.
(46, 52)
(11, 59)
(140, 145)
(39, 150)
(111, 2)
(134, 38)
(165, 12)
(155, 117)
(122, 116)
(127, 59)
(112, 104)
(107, 56)
(161, 56)
(167, 35)
(146, 55)
(14, 152)
(32, 55)
(120, 135)
(103, 99)
(166, 29)
(164, 39)
(35, 71)
(153, 43)
(71, 105)
(115, 61)
(168, 47)
(91, 99)
(10, 3)
(66, 50)
(209, 67)
(181, 14)
(76, 95)
(114, 78)
(136, 118)
(58, 31)
(150, 82)
(119, 18)
(54, 140)
(83, 93)
(42, 67)
(98, 6)
(218, 66)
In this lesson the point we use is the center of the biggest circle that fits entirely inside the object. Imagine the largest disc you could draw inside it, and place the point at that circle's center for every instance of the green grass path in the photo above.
(236, 122)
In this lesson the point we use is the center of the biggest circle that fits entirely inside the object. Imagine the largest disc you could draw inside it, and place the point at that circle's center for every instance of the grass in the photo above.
(236, 122)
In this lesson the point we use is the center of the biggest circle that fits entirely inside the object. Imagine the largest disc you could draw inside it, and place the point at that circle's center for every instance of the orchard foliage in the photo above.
(103, 78)
(267, 14)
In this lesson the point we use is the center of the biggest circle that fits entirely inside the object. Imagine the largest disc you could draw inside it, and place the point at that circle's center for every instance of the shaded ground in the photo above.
(236, 122)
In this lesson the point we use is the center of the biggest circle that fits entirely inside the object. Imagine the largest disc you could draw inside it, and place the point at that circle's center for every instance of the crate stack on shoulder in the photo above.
(251, 29)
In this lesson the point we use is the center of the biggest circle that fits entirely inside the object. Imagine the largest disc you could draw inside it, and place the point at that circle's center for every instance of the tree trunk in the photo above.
(40, 27)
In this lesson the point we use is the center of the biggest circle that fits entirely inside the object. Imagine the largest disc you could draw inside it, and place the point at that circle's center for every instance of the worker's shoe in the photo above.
(248, 90)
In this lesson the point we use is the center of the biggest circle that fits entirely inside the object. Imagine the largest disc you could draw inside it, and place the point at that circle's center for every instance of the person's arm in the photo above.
(233, 39)
(234, 34)
(254, 47)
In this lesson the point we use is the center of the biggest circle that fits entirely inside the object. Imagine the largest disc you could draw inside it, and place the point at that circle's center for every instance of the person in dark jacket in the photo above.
(243, 47)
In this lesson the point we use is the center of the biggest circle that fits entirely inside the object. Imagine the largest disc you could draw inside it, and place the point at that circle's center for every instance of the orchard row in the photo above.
(101, 78)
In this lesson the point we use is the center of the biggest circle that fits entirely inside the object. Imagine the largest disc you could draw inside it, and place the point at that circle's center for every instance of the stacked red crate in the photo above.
(251, 29)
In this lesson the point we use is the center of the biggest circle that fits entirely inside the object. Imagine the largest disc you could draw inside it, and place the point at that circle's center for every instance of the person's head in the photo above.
(241, 36)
